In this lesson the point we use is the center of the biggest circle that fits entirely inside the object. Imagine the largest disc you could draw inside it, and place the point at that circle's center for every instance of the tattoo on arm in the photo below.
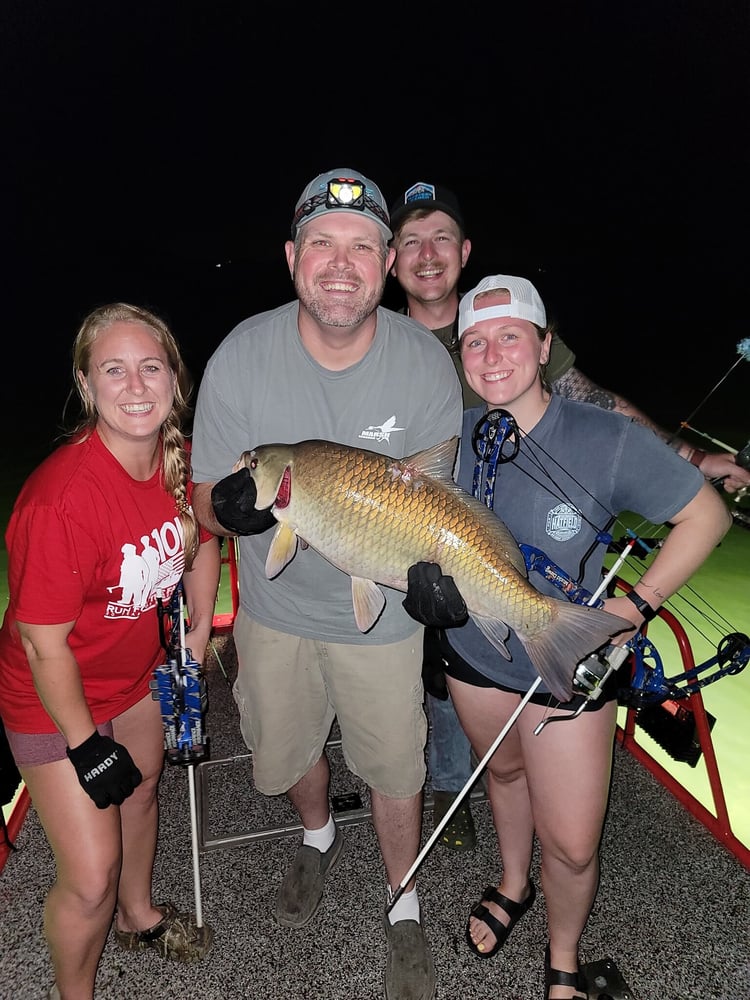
(575, 385)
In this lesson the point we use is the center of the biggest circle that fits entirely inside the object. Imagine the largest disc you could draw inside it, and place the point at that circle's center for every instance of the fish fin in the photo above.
(368, 600)
(281, 551)
(436, 462)
(576, 631)
(494, 631)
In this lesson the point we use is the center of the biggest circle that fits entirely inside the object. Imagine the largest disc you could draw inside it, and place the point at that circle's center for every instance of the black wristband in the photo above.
(643, 606)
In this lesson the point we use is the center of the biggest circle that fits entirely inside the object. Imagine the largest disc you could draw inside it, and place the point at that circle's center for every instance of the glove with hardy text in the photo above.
(105, 770)
(233, 499)
(433, 599)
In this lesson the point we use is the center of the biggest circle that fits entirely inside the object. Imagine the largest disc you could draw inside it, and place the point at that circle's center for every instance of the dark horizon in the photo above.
(156, 156)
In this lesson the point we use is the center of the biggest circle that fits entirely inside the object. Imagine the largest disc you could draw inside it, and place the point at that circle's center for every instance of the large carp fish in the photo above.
(373, 517)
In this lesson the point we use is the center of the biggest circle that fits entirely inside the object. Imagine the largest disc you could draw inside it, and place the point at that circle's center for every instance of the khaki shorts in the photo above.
(290, 689)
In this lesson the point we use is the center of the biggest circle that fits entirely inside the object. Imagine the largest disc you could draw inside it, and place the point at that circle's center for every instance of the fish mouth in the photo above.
(285, 490)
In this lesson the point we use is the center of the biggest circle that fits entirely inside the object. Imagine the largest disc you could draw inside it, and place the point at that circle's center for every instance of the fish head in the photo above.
(270, 466)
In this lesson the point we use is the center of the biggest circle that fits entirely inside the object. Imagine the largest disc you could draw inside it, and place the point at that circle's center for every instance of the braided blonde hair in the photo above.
(175, 463)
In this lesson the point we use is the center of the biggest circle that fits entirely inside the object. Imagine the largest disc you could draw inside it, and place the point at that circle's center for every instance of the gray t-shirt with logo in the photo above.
(261, 386)
(579, 465)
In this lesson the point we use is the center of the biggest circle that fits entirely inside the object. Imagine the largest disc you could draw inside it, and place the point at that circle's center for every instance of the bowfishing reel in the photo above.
(590, 676)
(592, 673)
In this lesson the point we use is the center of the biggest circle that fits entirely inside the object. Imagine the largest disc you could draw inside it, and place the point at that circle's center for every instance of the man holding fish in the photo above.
(332, 365)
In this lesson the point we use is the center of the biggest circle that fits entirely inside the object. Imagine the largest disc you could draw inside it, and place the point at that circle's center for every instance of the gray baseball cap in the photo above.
(342, 190)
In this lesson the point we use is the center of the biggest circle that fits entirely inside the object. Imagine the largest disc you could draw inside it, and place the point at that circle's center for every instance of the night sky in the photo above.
(154, 153)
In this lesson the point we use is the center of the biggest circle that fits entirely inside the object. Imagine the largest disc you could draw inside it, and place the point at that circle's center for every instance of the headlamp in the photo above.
(341, 192)
(345, 194)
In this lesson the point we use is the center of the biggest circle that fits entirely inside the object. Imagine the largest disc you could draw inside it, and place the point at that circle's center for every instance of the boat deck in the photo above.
(672, 913)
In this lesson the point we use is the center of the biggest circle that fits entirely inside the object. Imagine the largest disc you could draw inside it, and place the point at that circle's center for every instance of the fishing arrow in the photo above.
(743, 349)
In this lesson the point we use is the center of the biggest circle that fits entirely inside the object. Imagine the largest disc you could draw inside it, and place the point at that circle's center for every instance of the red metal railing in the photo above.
(719, 825)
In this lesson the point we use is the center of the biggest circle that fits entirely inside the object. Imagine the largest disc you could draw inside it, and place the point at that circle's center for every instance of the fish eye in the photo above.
(253, 463)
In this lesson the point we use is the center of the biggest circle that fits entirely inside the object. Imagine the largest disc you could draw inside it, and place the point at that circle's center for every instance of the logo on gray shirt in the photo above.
(381, 432)
(563, 522)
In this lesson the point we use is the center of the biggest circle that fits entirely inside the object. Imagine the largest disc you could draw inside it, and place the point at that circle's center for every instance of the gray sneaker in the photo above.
(410, 970)
(301, 889)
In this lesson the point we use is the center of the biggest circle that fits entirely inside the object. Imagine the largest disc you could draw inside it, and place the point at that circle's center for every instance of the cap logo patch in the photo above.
(420, 191)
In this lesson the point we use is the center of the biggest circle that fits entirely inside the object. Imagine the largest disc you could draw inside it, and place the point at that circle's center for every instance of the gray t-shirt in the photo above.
(579, 465)
(261, 386)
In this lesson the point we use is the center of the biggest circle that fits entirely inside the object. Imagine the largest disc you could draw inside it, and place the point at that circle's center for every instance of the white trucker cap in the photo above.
(525, 302)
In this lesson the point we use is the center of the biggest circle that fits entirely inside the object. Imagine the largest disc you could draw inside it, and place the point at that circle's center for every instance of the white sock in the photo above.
(320, 839)
(407, 907)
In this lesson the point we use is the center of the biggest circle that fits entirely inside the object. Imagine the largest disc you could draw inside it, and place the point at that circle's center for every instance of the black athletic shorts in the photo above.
(455, 666)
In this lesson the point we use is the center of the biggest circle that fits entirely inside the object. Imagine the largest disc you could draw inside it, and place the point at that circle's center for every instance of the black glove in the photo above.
(433, 599)
(233, 500)
(105, 770)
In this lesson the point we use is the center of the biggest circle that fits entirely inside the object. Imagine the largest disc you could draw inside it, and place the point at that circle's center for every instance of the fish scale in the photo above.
(373, 517)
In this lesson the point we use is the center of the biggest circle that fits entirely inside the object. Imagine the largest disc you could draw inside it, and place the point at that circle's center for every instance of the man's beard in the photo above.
(341, 313)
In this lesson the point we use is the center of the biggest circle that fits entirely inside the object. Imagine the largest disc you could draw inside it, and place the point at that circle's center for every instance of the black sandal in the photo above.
(555, 977)
(514, 910)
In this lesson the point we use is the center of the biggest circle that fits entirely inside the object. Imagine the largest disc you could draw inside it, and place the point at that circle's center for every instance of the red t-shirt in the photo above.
(88, 543)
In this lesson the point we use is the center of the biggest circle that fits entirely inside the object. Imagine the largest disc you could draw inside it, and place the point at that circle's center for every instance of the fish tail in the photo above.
(576, 631)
